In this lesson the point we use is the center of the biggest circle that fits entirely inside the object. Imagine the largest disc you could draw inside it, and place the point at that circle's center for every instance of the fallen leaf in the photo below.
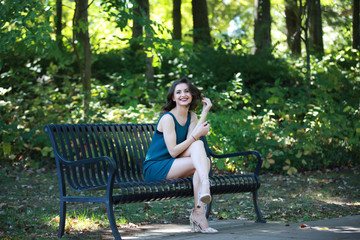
(304, 226)
(21, 208)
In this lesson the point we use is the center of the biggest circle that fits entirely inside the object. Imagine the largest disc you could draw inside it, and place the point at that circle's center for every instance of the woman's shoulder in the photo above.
(166, 121)
(166, 118)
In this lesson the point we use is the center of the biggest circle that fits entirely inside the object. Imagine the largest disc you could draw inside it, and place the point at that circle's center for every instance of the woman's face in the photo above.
(182, 95)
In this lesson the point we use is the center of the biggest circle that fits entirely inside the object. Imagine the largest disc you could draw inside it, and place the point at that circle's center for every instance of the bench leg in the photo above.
(62, 218)
(111, 216)
(260, 219)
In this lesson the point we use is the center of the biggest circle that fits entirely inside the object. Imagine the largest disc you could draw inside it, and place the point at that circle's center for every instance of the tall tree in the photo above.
(141, 22)
(58, 23)
(356, 26)
(201, 28)
(262, 28)
(81, 35)
(139, 15)
(149, 73)
(315, 27)
(176, 19)
(293, 25)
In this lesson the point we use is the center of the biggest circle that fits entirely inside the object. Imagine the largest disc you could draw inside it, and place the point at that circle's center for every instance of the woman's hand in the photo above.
(206, 105)
(201, 130)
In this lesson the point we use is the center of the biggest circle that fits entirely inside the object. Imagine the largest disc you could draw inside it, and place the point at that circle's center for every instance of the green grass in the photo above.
(29, 203)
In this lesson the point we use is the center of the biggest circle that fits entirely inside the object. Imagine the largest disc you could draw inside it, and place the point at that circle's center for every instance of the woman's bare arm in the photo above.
(202, 120)
(168, 128)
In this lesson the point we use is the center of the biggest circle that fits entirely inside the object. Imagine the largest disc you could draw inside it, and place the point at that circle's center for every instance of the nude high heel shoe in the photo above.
(196, 226)
(204, 196)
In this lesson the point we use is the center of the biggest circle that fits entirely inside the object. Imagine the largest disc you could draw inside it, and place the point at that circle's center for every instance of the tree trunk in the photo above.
(58, 23)
(81, 35)
(141, 21)
(306, 40)
(356, 27)
(201, 34)
(148, 44)
(262, 29)
(315, 27)
(176, 19)
(293, 28)
(137, 29)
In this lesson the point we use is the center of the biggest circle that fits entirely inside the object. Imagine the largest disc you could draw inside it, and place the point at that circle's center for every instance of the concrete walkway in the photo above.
(330, 229)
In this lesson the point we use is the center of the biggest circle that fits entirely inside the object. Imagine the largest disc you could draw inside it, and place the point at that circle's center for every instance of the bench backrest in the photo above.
(127, 144)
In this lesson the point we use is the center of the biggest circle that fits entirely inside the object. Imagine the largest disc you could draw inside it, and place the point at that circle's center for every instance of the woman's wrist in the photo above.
(204, 114)
(193, 137)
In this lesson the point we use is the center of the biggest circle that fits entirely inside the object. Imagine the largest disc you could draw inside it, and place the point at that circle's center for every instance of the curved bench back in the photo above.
(127, 144)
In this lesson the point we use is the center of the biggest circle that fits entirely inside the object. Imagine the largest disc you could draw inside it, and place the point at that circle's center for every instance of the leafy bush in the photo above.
(260, 103)
(310, 126)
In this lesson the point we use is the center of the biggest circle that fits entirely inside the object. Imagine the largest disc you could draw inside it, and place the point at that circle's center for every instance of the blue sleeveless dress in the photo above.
(158, 160)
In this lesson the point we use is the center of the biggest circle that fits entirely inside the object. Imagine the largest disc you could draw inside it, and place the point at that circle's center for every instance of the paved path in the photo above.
(330, 229)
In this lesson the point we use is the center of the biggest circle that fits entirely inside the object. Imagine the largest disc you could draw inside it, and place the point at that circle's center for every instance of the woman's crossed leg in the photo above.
(194, 161)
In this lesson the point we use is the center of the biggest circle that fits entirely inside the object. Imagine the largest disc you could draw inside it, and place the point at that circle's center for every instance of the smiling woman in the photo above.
(182, 95)
(195, 94)
(176, 152)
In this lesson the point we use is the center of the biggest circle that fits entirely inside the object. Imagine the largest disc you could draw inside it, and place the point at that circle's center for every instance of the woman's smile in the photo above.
(182, 94)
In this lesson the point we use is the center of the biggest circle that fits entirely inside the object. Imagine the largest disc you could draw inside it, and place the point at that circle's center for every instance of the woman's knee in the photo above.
(181, 167)
(198, 144)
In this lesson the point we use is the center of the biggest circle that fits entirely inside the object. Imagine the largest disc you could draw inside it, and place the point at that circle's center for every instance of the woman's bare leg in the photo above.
(202, 168)
(194, 161)
(199, 210)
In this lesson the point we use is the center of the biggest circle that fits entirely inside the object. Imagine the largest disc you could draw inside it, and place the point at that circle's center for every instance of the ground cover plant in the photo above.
(29, 204)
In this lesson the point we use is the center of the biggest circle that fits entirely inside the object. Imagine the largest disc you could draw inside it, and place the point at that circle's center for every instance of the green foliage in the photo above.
(266, 103)
(263, 102)
(296, 124)
(310, 126)
(25, 27)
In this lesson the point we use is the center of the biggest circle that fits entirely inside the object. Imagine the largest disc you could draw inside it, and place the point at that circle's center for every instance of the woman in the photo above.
(177, 152)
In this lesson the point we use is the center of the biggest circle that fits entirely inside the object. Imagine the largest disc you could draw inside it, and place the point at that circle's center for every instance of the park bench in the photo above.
(109, 157)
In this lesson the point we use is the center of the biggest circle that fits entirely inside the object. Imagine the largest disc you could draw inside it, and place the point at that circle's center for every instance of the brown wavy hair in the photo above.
(195, 93)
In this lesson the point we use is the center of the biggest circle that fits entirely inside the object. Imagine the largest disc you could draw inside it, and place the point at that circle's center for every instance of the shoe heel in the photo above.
(196, 227)
(206, 198)
(192, 226)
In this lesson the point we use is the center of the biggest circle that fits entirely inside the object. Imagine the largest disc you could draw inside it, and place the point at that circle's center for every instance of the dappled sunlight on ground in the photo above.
(340, 229)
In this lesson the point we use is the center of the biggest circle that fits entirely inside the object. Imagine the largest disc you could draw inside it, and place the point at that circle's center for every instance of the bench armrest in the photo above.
(109, 160)
(237, 154)
(112, 166)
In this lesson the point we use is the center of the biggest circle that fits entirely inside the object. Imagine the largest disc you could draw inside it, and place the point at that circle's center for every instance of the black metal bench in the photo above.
(110, 156)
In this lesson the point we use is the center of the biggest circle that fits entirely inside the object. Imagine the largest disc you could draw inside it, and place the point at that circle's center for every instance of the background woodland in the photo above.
(283, 75)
